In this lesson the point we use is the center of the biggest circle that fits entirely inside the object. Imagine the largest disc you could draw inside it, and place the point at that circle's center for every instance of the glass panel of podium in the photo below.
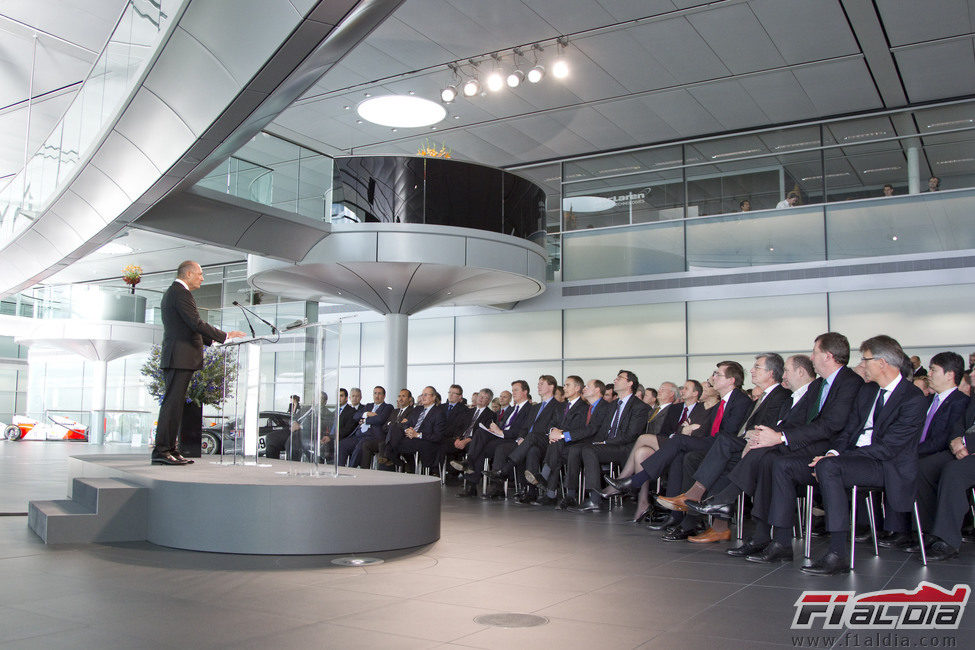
(280, 397)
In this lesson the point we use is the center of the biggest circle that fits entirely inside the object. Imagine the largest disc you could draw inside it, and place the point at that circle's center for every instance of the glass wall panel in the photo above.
(373, 348)
(640, 198)
(498, 376)
(655, 329)
(509, 336)
(431, 340)
(892, 226)
(768, 237)
(764, 324)
(650, 372)
(372, 376)
(438, 376)
(915, 316)
(350, 344)
(623, 252)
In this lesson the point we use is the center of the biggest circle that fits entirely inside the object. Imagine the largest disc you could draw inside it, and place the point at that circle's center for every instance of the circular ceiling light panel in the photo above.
(401, 111)
(587, 204)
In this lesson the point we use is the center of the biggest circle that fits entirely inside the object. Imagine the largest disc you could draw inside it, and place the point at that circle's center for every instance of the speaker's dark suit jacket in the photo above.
(184, 332)
(950, 412)
(894, 439)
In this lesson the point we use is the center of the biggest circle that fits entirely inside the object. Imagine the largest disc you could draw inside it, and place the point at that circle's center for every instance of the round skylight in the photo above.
(587, 203)
(401, 111)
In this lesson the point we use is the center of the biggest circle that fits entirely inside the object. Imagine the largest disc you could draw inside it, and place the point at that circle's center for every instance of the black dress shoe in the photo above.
(468, 491)
(899, 541)
(544, 500)
(830, 564)
(941, 550)
(566, 503)
(620, 485)
(534, 479)
(710, 508)
(678, 534)
(587, 506)
(643, 516)
(167, 459)
(819, 527)
(748, 548)
(885, 535)
(179, 456)
(773, 552)
(494, 475)
(862, 536)
(671, 520)
(495, 491)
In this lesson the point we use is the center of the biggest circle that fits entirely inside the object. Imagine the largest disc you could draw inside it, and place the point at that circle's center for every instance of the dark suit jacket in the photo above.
(798, 415)
(512, 428)
(665, 415)
(396, 419)
(375, 422)
(894, 439)
(486, 418)
(632, 423)
(347, 420)
(816, 437)
(184, 332)
(538, 421)
(951, 411)
(458, 417)
(597, 426)
(502, 415)
(959, 427)
(767, 413)
(434, 425)
(574, 419)
(735, 412)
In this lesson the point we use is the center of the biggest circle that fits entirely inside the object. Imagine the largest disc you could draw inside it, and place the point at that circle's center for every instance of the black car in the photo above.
(275, 423)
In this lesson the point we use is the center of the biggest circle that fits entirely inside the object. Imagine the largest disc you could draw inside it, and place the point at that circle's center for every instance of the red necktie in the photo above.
(589, 414)
(683, 417)
(717, 419)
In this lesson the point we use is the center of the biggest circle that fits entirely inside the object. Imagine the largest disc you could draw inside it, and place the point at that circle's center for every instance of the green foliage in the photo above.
(207, 384)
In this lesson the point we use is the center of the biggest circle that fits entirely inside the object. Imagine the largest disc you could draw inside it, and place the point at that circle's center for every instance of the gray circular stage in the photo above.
(277, 509)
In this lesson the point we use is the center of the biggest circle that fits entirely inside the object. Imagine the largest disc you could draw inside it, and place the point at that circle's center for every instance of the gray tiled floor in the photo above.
(601, 582)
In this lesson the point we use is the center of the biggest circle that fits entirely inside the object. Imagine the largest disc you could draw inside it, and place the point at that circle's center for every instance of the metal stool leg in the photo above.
(809, 508)
(920, 534)
(853, 526)
(873, 523)
(740, 514)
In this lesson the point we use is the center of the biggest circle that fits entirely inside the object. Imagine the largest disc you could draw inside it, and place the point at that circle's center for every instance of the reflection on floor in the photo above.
(601, 582)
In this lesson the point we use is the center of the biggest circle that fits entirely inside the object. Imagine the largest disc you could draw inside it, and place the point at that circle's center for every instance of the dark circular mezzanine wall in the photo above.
(436, 191)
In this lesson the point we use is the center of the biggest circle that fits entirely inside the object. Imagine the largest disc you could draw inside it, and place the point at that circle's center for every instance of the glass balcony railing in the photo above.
(920, 223)
(107, 87)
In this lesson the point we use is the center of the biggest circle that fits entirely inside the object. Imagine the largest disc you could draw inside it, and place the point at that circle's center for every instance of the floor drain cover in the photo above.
(511, 620)
(357, 561)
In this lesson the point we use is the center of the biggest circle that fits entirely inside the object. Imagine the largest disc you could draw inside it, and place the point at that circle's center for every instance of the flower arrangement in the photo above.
(132, 274)
(207, 383)
(429, 150)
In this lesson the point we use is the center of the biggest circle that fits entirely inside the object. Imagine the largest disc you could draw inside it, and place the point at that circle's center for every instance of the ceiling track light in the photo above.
(560, 69)
(449, 93)
(495, 80)
(471, 83)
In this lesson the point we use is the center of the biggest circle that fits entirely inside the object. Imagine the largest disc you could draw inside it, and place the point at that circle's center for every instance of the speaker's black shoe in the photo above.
(166, 459)
(773, 552)
(830, 564)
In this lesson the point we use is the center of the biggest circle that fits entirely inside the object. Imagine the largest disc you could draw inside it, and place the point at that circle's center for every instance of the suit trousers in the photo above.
(670, 458)
(775, 494)
(593, 456)
(942, 497)
(836, 474)
(428, 450)
(721, 458)
(483, 445)
(556, 456)
(171, 410)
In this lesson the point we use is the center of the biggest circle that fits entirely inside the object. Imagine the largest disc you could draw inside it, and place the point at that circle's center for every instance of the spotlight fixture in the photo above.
(560, 69)
(448, 94)
(536, 74)
(472, 87)
(495, 81)
(515, 78)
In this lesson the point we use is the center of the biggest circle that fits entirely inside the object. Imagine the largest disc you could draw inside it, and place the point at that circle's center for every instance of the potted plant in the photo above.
(132, 275)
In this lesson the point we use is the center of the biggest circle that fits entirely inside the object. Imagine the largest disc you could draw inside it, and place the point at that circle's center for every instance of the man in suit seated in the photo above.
(426, 428)
(569, 428)
(532, 438)
(393, 427)
(666, 398)
(612, 443)
(455, 410)
(370, 419)
(877, 448)
(479, 415)
(726, 419)
(942, 495)
(709, 467)
(501, 439)
(945, 409)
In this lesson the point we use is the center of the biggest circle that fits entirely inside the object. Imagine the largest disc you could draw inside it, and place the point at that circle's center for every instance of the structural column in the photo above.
(397, 335)
(913, 172)
(98, 390)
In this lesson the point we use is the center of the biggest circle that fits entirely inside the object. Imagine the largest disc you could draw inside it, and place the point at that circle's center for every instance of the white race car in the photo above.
(59, 428)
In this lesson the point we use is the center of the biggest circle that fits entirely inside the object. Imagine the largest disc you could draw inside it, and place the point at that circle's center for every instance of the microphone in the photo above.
(301, 322)
(274, 330)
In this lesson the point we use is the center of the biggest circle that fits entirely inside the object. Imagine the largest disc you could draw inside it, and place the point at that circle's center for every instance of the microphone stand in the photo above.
(274, 330)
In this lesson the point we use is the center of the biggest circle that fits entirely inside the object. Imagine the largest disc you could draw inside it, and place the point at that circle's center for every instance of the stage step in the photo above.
(100, 510)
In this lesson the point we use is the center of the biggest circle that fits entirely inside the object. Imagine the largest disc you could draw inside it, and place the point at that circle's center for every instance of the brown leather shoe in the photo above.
(674, 503)
(711, 535)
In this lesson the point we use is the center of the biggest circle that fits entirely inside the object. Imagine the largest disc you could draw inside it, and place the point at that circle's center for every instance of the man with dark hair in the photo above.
(393, 428)
(877, 448)
(725, 419)
(426, 428)
(480, 415)
(456, 412)
(612, 443)
(568, 428)
(709, 466)
(532, 438)
(502, 436)
(185, 335)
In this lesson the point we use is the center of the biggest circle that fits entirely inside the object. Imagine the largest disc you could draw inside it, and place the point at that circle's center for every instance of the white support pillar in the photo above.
(96, 432)
(913, 172)
(397, 335)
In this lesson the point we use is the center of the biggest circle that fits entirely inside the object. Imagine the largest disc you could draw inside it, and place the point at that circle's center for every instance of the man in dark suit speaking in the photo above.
(184, 335)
